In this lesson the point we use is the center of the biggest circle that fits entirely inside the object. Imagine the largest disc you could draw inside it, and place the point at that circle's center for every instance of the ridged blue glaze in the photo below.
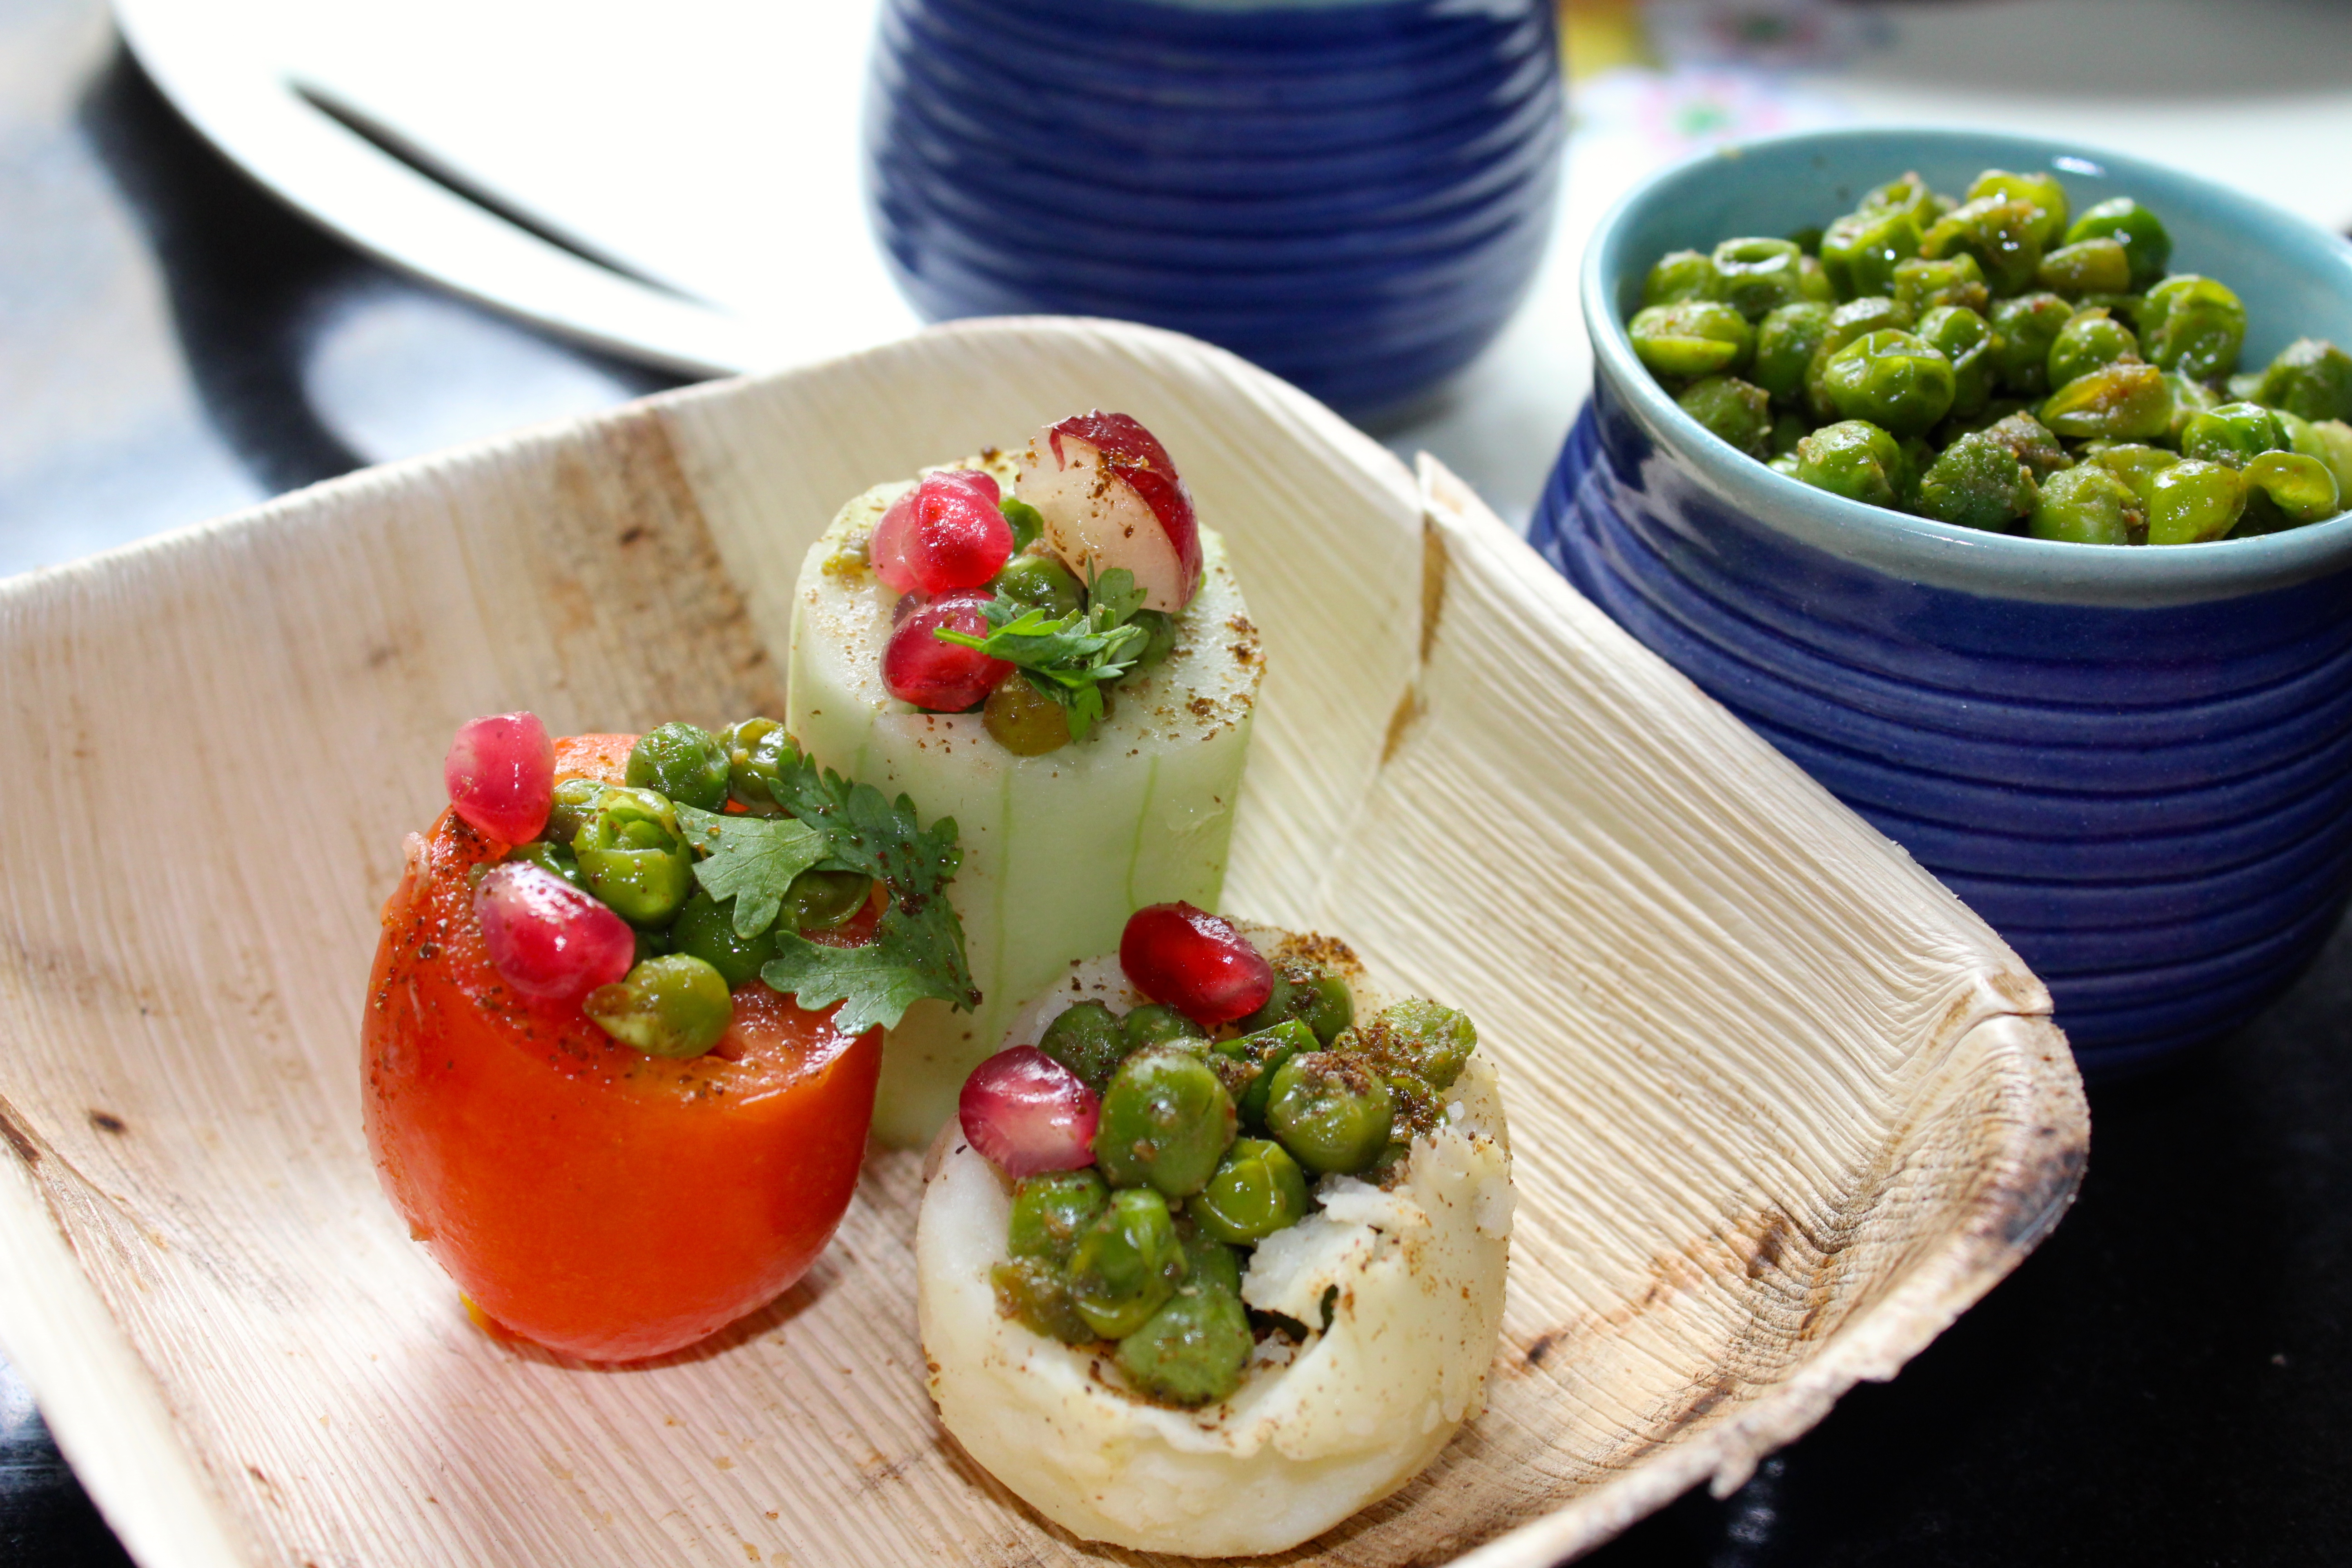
(2137, 764)
(1354, 193)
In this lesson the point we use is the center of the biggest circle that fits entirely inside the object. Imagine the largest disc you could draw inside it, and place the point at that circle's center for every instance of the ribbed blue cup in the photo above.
(1354, 193)
(2135, 763)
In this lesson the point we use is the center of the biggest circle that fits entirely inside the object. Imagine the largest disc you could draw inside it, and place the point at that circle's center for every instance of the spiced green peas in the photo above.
(1252, 1061)
(1855, 459)
(1976, 482)
(1166, 1121)
(705, 929)
(574, 807)
(2143, 237)
(1923, 283)
(633, 855)
(2086, 504)
(1039, 583)
(1085, 1037)
(2091, 267)
(1965, 339)
(2195, 326)
(2311, 379)
(2041, 190)
(1192, 1349)
(1757, 276)
(2234, 435)
(1732, 410)
(1860, 251)
(2090, 339)
(673, 1006)
(684, 761)
(2125, 401)
(1257, 1190)
(2028, 326)
(1125, 1264)
(1330, 1112)
(2301, 487)
(1893, 379)
(2192, 503)
(758, 750)
(1050, 1211)
(1677, 276)
(2000, 232)
(1692, 338)
(1786, 342)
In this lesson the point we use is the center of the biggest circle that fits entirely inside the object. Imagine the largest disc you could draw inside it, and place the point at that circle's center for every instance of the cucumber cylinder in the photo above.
(1059, 850)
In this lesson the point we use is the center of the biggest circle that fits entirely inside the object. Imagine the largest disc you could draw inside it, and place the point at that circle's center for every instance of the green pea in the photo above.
(2301, 487)
(1039, 583)
(1996, 230)
(2086, 505)
(684, 761)
(547, 857)
(1155, 1025)
(705, 929)
(1037, 1295)
(2137, 465)
(2329, 440)
(1856, 319)
(1855, 459)
(674, 1005)
(1050, 1211)
(1784, 463)
(1426, 1038)
(1813, 283)
(1253, 1058)
(2132, 227)
(1860, 251)
(1735, 412)
(1324, 1006)
(1085, 1038)
(1025, 720)
(1756, 276)
(1125, 1264)
(2031, 442)
(2094, 266)
(1909, 195)
(2234, 435)
(820, 900)
(1166, 1121)
(1692, 338)
(1785, 342)
(574, 807)
(1419, 1105)
(1679, 275)
(2042, 191)
(1788, 428)
(1274, 1009)
(1893, 379)
(654, 944)
(2092, 339)
(2192, 503)
(1330, 1112)
(1695, 337)
(1921, 284)
(1257, 1190)
(2121, 402)
(1160, 628)
(2195, 326)
(1027, 523)
(2189, 398)
(1191, 1351)
(758, 752)
(2027, 326)
(1976, 482)
(634, 856)
(1966, 340)
(2311, 378)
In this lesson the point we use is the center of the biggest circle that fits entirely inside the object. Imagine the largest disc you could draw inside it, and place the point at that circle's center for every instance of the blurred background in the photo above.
(250, 244)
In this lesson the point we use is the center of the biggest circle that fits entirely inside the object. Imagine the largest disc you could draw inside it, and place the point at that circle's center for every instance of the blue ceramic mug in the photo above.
(2135, 762)
(1354, 193)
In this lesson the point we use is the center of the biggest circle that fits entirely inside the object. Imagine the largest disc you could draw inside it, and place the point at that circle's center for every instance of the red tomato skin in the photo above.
(607, 1205)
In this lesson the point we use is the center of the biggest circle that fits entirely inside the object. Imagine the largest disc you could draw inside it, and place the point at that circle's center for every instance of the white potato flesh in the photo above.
(1415, 1276)
(1058, 850)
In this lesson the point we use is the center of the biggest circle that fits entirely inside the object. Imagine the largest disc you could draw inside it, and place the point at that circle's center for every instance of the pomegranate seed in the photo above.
(1194, 962)
(1027, 1112)
(946, 533)
(547, 937)
(500, 775)
(919, 668)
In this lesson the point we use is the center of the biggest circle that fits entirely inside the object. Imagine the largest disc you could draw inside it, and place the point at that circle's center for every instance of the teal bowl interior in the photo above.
(2295, 281)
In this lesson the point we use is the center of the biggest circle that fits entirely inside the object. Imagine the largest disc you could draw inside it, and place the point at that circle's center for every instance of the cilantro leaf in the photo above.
(751, 859)
(831, 824)
(1072, 658)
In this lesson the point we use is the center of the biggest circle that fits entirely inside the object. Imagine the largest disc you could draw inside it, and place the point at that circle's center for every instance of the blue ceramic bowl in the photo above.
(2136, 764)
(1355, 193)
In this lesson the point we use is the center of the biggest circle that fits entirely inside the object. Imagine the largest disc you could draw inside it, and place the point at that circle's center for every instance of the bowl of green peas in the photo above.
(2002, 483)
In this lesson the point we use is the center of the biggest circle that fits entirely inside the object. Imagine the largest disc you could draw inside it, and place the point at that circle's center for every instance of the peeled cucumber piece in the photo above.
(1058, 850)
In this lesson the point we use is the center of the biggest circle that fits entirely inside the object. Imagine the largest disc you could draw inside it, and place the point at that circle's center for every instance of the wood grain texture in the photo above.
(1782, 1107)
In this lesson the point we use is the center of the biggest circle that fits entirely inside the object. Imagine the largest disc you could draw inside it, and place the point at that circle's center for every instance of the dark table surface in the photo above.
(2166, 1382)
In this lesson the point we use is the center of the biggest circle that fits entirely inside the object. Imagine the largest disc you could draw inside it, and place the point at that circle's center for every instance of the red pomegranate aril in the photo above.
(500, 775)
(919, 668)
(946, 533)
(547, 938)
(1026, 1112)
(1194, 962)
